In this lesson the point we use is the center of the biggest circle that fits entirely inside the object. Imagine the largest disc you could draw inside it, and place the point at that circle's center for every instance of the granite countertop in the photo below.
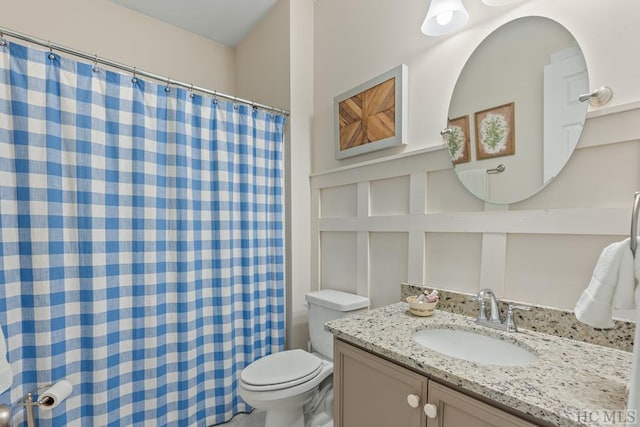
(569, 378)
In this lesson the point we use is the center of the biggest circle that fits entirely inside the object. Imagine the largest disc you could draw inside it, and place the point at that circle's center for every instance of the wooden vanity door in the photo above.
(458, 410)
(371, 392)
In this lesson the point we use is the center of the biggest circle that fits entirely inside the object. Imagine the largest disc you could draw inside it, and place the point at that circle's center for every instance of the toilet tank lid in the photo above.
(337, 300)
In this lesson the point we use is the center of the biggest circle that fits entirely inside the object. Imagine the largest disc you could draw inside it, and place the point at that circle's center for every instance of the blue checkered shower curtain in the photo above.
(141, 243)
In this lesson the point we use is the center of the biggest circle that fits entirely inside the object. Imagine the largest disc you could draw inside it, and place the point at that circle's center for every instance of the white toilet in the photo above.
(283, 383)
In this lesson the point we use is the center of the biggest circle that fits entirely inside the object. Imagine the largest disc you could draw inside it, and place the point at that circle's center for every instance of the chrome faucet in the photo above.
(494, 320)
(495, 311)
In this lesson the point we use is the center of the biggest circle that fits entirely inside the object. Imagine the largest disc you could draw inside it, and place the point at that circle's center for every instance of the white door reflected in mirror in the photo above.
(516, 103)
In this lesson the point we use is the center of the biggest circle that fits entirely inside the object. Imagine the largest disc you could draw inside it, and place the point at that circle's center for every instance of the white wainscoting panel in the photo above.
(492, 262)
(418, 195)
(339, 261)
(551, 269)
(452, 261)
(598, 176)
(339, 201)
(388, 260)
(446, 194)
(390, 196)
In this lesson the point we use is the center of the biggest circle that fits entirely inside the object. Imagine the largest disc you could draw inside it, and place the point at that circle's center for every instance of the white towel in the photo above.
(633, 402)
(612, 286)
(476, 181)
(6, 375)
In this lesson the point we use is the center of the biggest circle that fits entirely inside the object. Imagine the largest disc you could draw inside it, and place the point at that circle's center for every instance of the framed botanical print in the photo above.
(495, 132)
(458, 140)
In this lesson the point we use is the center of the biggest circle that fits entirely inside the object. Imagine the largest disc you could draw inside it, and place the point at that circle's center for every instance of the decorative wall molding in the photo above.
(612, 109)
(588, 221)
(598, 221)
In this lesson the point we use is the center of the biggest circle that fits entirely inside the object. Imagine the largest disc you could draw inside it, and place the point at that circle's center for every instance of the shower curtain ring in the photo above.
(134, 79)
(167, 88)
(191, 94)
(95, 64)
(3, 42)
(215, 97)
(51, 55)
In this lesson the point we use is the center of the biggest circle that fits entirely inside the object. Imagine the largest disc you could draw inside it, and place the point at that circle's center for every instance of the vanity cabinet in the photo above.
(371, 391)
(455, 409)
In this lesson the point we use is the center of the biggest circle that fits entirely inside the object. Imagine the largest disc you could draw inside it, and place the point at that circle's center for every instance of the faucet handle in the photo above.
(510, 323)
(482, 314)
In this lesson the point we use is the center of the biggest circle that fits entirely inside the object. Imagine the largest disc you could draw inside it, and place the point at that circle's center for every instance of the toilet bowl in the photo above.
(283, 383)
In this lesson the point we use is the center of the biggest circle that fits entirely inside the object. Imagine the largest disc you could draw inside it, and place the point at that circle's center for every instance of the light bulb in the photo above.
(445, 17)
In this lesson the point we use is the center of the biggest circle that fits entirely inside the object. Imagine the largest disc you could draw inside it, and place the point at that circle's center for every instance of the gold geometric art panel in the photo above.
(368, 116)
(371, 116)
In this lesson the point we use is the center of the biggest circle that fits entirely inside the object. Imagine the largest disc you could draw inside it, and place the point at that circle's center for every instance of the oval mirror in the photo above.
(514, 117)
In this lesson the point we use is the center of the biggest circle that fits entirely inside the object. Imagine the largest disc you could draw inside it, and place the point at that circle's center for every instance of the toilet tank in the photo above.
(325, 305)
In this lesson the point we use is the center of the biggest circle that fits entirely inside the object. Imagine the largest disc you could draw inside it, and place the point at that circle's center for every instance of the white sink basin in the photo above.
(474, 347)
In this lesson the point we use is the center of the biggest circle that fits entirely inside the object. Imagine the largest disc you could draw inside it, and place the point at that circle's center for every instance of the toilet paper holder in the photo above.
(45, 401)
(28, 403)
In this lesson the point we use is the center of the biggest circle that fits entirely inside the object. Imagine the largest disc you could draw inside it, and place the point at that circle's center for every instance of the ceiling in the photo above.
(229, 21)
(224, 21)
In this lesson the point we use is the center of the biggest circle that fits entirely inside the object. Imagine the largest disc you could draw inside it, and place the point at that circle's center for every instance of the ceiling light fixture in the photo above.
(444, 17)
(447, 16)
(496, 2)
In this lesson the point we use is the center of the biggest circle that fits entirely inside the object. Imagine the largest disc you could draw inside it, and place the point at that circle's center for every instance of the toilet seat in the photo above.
(281, 370)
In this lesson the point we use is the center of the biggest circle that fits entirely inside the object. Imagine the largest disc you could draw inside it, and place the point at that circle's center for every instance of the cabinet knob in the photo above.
(431, 410)
(413, 400)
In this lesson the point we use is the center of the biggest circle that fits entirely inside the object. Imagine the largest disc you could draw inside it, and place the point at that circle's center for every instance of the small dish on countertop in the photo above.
(421, 308)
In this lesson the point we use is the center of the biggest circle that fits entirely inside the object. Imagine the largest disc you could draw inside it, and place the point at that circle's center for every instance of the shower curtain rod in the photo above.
(134, 70)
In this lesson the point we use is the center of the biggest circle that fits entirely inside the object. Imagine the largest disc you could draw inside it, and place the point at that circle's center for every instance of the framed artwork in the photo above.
(372, 116)
(495, 132)
(458, 140)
